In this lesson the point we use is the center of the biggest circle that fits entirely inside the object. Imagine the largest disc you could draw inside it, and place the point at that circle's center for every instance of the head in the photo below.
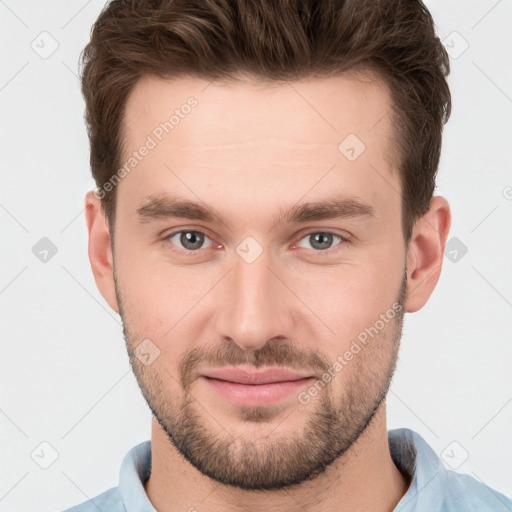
(265, 175)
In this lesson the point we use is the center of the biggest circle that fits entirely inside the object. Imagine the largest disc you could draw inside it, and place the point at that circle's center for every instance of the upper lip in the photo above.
(245, 376)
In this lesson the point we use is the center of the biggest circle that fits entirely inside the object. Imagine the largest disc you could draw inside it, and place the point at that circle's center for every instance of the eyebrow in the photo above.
(169, 207)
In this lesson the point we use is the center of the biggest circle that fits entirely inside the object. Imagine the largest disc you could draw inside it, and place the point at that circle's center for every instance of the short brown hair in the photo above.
(273, 40)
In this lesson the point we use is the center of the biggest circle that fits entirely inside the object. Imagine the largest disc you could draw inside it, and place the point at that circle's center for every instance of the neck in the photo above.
(363, 478)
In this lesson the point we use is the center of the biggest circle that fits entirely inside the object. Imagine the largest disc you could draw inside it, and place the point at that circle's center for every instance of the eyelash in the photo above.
(317, 253)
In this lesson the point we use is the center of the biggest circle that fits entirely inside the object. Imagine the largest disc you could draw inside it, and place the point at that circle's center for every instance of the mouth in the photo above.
(252, 388)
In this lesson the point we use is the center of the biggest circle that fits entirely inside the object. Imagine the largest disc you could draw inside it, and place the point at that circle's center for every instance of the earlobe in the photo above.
(100, 249)
(426, 252)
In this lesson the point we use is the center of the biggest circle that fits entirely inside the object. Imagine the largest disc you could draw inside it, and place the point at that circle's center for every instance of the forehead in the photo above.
(310, 110)
(263, 139)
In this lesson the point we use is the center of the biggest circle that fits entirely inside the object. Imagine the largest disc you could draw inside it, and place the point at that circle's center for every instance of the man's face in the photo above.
(269, 285)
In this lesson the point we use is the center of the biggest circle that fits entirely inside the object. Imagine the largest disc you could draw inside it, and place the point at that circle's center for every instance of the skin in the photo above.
(253, 151)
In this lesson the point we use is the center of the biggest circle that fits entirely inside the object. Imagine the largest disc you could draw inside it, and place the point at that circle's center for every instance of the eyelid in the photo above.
(309, 231)
(304, 233)
(179, 250)
(344, 239)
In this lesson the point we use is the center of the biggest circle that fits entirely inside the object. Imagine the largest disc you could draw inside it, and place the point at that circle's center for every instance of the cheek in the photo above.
(350, 300)
(162, 303)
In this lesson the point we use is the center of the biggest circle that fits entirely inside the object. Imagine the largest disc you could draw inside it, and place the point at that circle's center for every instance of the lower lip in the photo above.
(253, 395)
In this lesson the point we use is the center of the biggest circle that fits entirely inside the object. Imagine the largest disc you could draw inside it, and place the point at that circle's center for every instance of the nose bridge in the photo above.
(253, 308)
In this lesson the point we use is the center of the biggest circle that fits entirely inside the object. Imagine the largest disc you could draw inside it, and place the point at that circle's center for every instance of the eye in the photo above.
(321, 240)
(188, 240)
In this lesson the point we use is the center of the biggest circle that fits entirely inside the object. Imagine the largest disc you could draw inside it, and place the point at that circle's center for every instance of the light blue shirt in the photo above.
(433, 488)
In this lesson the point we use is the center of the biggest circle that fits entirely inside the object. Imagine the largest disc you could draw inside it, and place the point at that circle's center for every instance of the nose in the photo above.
(254, 305)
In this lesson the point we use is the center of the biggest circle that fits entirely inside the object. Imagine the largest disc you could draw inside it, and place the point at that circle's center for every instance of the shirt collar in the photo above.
(135, 470)
(410, 452)
(413, 456)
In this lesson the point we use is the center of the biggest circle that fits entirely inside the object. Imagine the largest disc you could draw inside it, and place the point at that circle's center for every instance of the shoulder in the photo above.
(435, 488)
(464, 492)
(108, 501)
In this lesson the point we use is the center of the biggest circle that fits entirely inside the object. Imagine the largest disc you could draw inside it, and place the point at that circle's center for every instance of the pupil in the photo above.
(191, 240)
(323, 239)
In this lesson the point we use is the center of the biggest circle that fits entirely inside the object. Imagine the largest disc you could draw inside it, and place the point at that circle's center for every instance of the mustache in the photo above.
(273, 353)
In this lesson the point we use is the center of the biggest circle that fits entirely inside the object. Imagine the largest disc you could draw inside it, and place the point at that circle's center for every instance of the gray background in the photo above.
(64, 373)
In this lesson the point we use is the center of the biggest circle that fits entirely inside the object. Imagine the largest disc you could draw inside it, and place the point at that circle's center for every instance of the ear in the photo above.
(426, 252)
(100, 249)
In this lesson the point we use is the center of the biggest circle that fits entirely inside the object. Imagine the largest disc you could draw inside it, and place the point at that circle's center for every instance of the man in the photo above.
(264, 218)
